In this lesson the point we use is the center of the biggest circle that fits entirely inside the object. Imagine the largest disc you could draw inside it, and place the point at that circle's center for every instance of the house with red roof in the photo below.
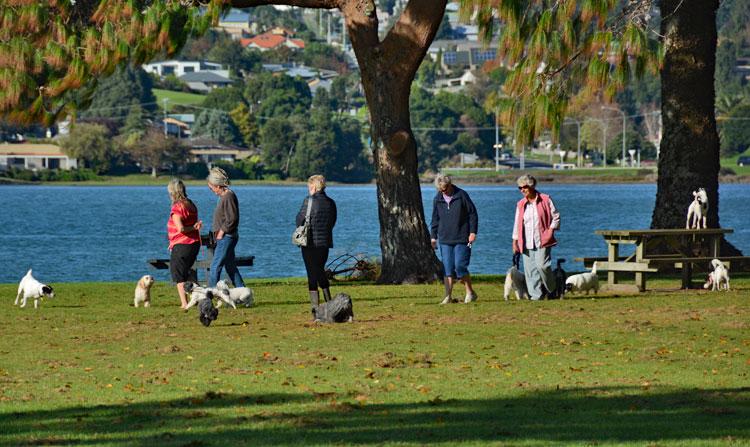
(271, 41)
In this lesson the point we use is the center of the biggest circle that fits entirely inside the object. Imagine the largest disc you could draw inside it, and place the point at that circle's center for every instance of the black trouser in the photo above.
(315, 263)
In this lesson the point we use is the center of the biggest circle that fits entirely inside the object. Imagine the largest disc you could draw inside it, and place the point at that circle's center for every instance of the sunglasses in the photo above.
(521, 188)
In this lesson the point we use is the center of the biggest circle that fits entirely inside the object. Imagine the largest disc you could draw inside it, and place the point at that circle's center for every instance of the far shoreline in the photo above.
(544, 176)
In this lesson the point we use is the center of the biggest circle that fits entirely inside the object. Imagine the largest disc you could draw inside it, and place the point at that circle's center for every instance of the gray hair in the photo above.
(442, 181)
(218, 177)
(176, 190)
(526, 180)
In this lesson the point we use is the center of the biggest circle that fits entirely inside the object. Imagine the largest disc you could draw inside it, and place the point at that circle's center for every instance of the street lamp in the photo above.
(578, 137)
(498, 146)
(622, 162)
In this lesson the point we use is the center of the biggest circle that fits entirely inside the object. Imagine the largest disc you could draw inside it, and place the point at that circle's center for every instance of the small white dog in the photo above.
(31, 288)
(515, 281)
(239, 295)
(698, 210)
(719, 278)
(583, 282)
(199, 293)
(143, 291)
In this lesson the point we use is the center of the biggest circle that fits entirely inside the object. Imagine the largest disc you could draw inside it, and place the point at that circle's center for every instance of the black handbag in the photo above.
(301, 234)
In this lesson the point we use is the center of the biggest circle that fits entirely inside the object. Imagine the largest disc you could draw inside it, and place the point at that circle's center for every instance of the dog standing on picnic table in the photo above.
(698, 210)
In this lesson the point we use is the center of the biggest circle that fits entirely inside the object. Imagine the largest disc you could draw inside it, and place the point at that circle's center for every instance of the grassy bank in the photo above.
(662, 368)
(178, 98)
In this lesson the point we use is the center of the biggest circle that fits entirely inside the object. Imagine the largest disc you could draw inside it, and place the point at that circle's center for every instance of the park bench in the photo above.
(203, 264)
(660, 250)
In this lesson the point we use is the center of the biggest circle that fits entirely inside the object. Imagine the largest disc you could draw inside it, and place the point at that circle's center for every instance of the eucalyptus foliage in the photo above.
(48, 49)
(560, 53)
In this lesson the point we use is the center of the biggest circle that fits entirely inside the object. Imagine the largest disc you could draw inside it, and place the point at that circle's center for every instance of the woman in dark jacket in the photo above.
(454, 230)
(322, 220)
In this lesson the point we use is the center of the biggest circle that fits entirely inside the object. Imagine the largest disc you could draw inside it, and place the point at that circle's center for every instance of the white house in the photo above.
(181, 68)
(34, 157)
(456, 84)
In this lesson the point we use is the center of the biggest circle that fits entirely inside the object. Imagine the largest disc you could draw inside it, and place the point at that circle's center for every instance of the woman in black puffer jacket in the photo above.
(322, 220)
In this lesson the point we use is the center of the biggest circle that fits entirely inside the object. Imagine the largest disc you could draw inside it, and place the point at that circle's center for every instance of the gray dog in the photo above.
(338, 310)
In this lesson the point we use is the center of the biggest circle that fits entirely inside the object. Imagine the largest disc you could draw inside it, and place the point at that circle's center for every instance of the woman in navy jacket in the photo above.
(322, 221)
(454, 229)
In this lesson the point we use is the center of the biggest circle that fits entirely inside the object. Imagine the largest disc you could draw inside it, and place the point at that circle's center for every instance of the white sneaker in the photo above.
(470, 297)
(446, 300)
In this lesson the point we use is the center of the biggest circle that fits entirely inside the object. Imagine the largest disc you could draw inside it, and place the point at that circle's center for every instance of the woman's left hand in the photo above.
(472, 237)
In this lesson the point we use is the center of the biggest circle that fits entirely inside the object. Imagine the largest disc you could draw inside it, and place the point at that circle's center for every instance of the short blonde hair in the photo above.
(176, 190)
(218, 177)
(318, 182)
(526, 180)
(442, 181)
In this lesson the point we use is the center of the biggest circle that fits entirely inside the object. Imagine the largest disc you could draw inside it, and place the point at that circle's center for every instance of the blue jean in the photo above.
(224, 259)
(537, 267)
(456, 259)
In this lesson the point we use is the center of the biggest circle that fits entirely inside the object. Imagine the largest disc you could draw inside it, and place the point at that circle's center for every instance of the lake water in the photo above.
(106, 233)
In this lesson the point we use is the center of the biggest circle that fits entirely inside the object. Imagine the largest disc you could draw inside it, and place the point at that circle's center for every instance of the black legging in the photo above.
(315, 263)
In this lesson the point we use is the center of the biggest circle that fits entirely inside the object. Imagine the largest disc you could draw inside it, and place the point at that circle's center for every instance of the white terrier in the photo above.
(719, 278)
(238, 295)
(698, 210)
(583, 282)
(143, 291)
(31, 288)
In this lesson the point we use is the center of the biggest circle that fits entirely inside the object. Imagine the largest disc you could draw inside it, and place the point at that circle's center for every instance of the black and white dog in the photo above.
(698, 210)
(30, 288)
(719, 278)
(204, 297)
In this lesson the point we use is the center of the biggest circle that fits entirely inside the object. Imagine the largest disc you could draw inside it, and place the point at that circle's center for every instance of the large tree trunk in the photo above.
(689, 152)
(387, 70)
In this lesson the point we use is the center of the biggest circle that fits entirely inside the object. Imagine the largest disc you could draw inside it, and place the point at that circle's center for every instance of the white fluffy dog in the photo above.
(515, 281)
(31, 288)
(698, 210)
(719, 278)
(199, 293)
(239, 295)
(583, 282)
(143, 291)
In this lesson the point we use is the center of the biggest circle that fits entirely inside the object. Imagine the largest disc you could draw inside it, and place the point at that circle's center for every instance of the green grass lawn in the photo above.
(181, 98)
(664, 368)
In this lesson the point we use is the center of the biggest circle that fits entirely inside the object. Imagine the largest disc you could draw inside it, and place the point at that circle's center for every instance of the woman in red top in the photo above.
(183, 230)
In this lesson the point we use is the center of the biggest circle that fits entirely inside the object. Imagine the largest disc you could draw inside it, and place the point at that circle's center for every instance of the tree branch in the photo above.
(407, 42)
(319, 4)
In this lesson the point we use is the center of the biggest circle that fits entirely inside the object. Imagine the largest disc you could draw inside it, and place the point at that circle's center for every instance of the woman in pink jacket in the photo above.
(534, 236)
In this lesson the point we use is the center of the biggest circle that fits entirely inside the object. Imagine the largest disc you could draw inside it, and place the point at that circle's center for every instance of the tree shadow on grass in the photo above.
(583, 415)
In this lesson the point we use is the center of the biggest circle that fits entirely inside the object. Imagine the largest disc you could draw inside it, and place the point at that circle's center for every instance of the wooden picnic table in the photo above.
(660, 248)
(205, 263)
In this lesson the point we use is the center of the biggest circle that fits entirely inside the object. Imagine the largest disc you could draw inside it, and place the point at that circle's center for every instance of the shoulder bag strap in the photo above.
(309, 207)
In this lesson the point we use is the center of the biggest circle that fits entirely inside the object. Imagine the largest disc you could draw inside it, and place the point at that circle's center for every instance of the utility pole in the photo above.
(343, 33)
(165, 116)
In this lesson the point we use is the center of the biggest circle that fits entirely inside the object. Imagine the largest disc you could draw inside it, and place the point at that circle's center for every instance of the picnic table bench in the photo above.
(659, 249)
(203, 264)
